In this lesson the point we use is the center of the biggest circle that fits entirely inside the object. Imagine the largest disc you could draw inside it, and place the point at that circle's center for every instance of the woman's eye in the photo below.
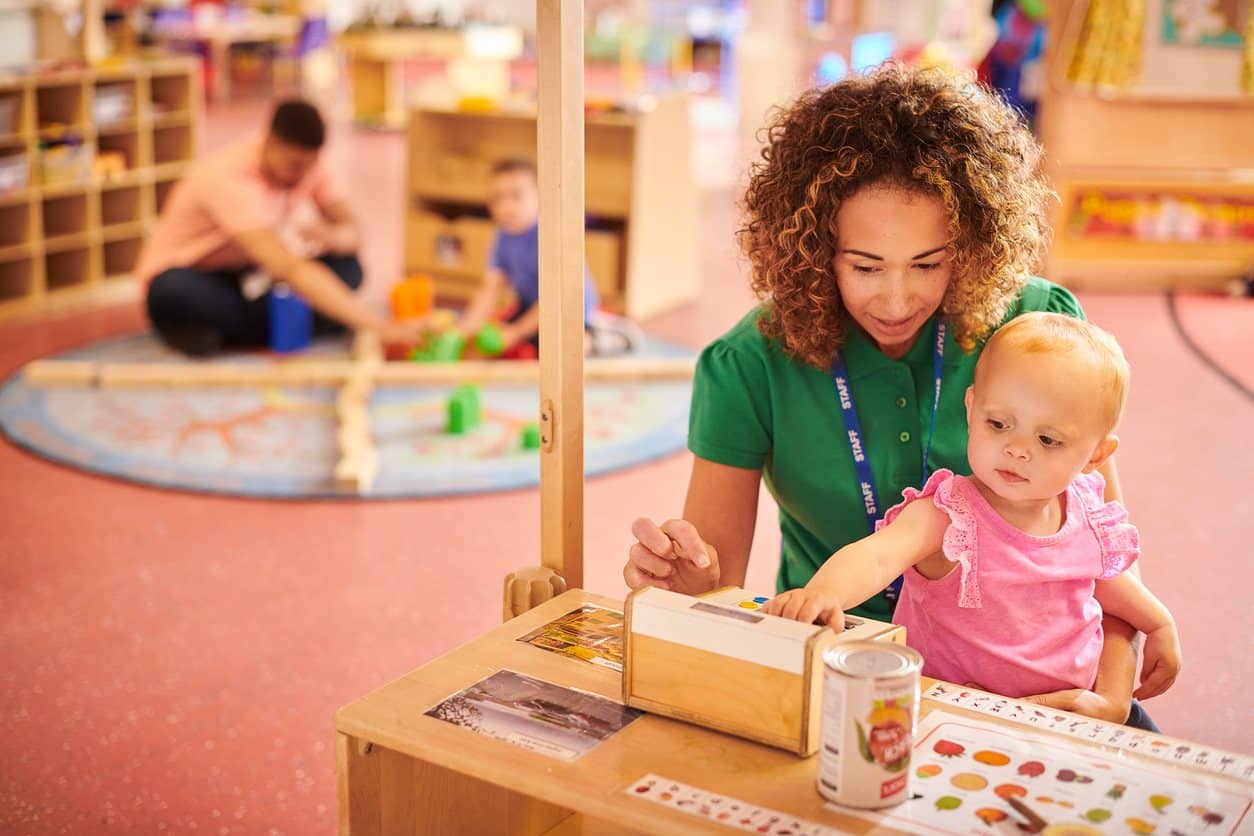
(931, 265)
(1047, 441)
(863, 268)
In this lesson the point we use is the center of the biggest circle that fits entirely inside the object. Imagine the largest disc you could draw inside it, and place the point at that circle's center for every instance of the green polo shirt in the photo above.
(754, 407)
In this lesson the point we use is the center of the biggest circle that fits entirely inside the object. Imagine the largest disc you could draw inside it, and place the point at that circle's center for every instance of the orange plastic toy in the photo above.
(413, 298)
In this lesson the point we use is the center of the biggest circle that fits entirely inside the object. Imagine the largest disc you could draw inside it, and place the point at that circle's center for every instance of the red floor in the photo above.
(172, 662)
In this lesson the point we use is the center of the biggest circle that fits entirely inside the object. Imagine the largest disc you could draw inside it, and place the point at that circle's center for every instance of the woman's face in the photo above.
(891, 266)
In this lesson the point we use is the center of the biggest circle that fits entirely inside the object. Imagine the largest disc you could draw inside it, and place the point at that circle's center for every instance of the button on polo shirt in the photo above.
(754, 407)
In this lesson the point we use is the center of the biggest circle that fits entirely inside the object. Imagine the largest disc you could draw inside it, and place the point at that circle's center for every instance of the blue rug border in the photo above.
(14, 382)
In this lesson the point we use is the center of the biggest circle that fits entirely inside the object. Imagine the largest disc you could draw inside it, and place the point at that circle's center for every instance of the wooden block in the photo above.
(61, 373)
(715, 663)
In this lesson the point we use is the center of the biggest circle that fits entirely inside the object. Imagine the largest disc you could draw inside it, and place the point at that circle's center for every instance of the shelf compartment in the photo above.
(161, 192)
(14, 114)
(17, 224)
(170, 94)
(456, 245)
(172, 144)
(14, 171)
(120, 257)
(60, 104)
(66, 215)
(122, 205)
(17, 279)
(69, 268)
(116, 154)
(113, 103)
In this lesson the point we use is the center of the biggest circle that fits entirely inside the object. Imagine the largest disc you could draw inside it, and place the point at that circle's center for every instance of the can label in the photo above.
(868, 725)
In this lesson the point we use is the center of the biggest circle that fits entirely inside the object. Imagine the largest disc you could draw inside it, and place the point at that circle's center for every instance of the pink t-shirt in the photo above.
(221, 196)
(1016, 615)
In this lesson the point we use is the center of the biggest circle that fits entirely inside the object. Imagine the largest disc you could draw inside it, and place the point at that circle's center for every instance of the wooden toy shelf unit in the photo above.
(641, 203)
(1150, 149)
(87, 158)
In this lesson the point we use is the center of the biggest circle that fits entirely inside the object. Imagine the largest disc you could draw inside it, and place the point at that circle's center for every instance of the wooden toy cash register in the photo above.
(718, 661)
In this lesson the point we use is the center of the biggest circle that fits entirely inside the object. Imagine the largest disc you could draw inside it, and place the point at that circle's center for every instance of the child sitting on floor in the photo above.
(514, 204)
(1007, 571)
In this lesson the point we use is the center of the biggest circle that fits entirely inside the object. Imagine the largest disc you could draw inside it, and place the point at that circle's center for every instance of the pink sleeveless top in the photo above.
(1016, 614)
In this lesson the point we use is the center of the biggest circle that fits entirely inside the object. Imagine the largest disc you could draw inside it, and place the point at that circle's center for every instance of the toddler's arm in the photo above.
(863, 568)
(480, 306)
(1125, 597)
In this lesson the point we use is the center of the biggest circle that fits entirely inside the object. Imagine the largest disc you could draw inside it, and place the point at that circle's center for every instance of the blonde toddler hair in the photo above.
(1053, 333)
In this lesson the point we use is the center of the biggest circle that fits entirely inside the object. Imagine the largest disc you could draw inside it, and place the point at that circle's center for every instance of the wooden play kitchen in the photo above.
(87, 159)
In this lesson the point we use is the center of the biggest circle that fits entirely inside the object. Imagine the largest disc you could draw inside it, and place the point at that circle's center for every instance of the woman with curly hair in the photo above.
(892, 225)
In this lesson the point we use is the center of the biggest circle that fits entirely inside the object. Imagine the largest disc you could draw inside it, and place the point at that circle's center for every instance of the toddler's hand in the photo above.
(807, 605)
(1162, 662)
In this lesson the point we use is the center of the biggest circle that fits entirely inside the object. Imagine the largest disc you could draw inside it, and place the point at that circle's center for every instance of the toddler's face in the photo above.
(1033, 425)
(514, 201)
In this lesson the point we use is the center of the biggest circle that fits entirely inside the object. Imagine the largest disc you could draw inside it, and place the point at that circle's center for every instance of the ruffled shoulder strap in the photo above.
(1119, 540)
(961, 541)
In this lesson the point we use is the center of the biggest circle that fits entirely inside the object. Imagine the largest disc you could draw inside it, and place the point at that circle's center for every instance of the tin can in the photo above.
(870, 706)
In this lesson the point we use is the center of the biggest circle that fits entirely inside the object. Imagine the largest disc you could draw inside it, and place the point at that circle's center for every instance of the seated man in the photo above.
(258, 211)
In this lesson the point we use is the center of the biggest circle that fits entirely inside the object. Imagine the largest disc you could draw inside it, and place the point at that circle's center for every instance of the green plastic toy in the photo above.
(531, 436)
(449, 346)
(489, 340)
(465, 411)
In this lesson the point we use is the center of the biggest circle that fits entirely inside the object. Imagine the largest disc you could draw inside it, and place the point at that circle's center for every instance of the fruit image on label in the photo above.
(1140, 826)
(928, 770)
(1009, 791)
(1116, 791)
(948, 802)
(990, 815)
(969, 781)
(991, 758)
(1097, 815)
(887, 738)
(1032, 769)
(948, 749)
(1160, 802)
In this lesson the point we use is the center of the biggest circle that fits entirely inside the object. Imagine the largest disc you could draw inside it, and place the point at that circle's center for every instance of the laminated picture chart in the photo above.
(1173, 750)
(533, 714)
(965, 772)
(593, 634)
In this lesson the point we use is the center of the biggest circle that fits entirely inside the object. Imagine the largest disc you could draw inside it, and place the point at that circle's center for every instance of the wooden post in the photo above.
(560, 140)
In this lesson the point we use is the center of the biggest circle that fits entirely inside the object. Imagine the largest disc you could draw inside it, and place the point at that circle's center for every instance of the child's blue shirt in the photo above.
(518, 257)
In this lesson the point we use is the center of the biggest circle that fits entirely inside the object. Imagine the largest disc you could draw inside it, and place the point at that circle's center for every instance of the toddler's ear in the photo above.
(1104, 451)
(967, 400)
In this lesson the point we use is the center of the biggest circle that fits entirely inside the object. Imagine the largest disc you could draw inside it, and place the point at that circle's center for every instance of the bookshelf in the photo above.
(87, 157)
(640, 245)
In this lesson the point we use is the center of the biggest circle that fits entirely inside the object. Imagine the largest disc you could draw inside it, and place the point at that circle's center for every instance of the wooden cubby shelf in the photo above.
(72, 217)
(640, 243)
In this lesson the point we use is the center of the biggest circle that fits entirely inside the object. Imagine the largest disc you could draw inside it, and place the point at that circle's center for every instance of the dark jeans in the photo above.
(185, 297)
(1138, 718)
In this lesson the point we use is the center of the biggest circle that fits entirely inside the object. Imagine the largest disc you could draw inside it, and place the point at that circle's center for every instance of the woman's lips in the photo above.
(894, 326)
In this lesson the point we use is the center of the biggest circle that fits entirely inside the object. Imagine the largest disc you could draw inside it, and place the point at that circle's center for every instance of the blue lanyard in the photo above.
(862, 465)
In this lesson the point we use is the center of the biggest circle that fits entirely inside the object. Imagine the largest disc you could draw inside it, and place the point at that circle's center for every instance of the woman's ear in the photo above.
(1104, 451)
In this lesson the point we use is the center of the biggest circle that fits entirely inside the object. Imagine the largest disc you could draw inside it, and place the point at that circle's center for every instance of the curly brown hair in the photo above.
(922, 130)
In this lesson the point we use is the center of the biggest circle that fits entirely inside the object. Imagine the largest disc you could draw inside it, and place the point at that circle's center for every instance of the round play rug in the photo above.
(281, 441)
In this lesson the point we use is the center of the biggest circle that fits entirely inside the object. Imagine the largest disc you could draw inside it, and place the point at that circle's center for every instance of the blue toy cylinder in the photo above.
(291, 320)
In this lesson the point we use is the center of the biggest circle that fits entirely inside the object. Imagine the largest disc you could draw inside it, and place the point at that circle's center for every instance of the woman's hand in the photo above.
(807, 605)
(671, 556)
